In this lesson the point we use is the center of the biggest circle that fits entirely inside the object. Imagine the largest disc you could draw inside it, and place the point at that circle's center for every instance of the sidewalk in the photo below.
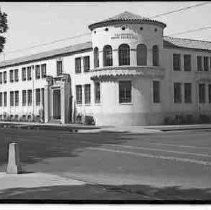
(179, 127)
(34, 180)
(97, 129)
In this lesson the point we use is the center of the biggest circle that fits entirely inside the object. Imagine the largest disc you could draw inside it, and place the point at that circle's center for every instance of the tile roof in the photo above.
(171, 42)
(48, 54)
(127, 17)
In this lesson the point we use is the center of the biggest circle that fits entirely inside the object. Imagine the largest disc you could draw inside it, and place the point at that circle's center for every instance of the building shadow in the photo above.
(106, 194)
(36, 145)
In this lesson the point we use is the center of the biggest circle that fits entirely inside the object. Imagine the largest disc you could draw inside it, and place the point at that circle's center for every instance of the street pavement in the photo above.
(157, 161)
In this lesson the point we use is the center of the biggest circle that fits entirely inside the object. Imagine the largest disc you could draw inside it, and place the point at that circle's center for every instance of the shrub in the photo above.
(89, 120)
(16, 118)
(179, 119)
(29, 118)
(203, 118)
(167, 121)
(79, 119)
(11, 117)
(189, 119)
(37, 118)
(7, 117)
(23, 118)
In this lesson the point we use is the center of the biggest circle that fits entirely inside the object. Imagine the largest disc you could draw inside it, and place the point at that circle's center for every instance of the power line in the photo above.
(73, 37)
(181, 9)
(48, 43)
(190, 31)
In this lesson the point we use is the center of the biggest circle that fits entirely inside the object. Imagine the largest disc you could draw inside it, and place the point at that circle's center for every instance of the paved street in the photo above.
(167, 165)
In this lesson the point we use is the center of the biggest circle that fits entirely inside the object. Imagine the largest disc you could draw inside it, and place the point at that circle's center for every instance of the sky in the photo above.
(34, 23)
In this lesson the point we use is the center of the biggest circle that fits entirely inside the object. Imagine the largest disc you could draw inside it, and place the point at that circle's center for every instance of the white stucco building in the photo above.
(128, 74)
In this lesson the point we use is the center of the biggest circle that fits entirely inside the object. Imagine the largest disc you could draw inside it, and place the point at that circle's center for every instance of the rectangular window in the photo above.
(37, 72)
(5, 98)
(176, 62)
(97, 92)
(125, 95)
(11, 76)
(11, 98)
(29, 97)
(23, 74)
(29, 73)
(59, 67)
(42, 95)
(156, 92)
(188, 92)
(199, 63)
(43, 70)
(209, 92)
(5, 77)
(202, 93)
(1, 79)
(16, 98)
(87, 92)
(23, 97)
(210, 63)
(38, 97)
(187, 62)
(177, 93)
(206, 63)
(1, 98)
(78, 94)
(77, 65)
(86, 64)
(16, 75)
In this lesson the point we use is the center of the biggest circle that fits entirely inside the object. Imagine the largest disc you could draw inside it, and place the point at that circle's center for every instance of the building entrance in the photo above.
(56, 104)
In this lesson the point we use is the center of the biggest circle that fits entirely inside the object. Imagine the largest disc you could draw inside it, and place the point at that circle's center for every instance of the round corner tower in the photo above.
(127, 50)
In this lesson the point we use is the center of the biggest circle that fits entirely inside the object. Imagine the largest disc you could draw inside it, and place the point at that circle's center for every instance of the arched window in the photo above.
(96, 57)
(155, 55)
(107, 56)
(141, 55)
(124, 55)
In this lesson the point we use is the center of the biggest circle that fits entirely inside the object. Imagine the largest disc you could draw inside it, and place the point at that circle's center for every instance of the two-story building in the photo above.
(128, 74)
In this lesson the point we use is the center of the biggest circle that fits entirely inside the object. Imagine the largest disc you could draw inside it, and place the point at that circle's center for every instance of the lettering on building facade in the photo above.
(124, 36)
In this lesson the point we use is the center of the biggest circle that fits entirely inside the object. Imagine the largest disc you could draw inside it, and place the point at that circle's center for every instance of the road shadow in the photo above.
(105, 193)
(36, 145)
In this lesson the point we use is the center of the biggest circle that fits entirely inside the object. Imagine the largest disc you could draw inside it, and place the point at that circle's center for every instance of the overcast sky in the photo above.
(36, 23)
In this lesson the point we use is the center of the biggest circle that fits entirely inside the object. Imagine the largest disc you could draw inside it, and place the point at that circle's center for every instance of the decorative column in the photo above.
(115, 57)
(46, 104)
(149, 57)
(133, 59)
(42, 101)
(101, 58)
(63, 104)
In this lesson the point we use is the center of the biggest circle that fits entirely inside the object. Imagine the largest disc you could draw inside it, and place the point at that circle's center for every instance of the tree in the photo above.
(3, 29)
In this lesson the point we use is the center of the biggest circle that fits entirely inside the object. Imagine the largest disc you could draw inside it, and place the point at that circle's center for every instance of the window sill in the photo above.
(97, 104)
(156, 103)
(126, 103)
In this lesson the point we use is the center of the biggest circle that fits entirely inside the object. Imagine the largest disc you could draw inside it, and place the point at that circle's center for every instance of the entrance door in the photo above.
(56, 104)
